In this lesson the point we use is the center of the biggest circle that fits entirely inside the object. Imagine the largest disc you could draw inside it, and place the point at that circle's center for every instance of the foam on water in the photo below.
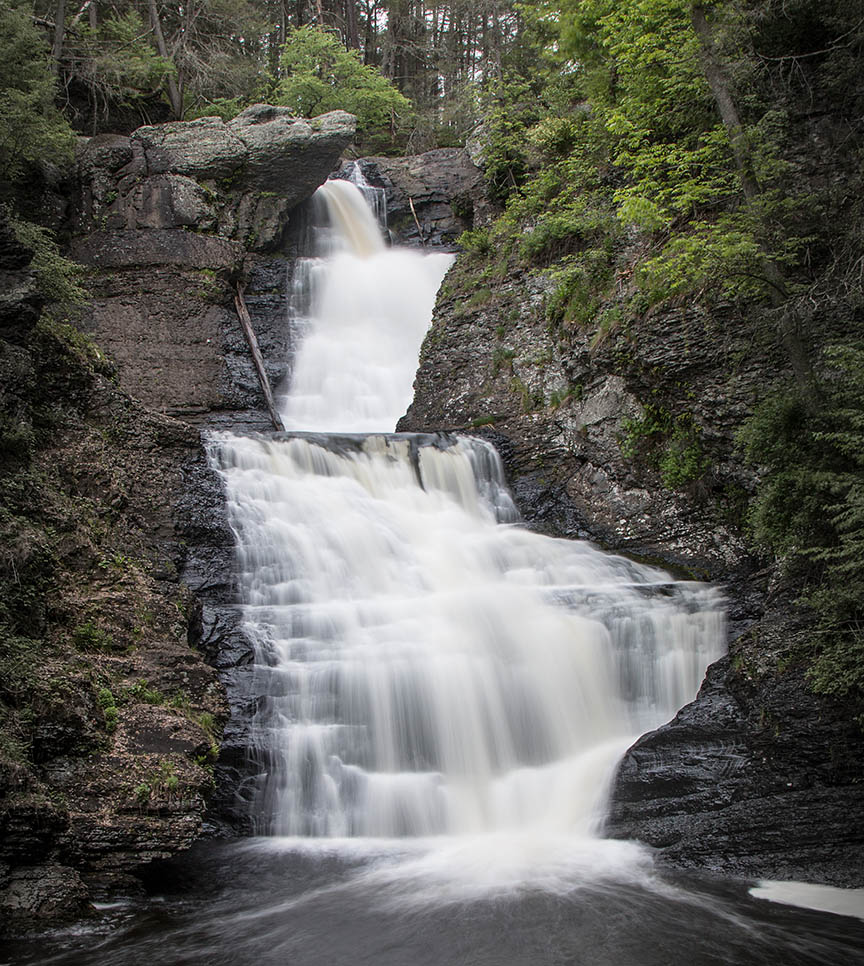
(424, 666)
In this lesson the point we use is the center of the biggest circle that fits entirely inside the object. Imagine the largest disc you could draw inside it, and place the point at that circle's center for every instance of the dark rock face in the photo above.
(758, 776)
(132, 623)
(169, 220)
(446, 190)
(558, 413)
(20, 303)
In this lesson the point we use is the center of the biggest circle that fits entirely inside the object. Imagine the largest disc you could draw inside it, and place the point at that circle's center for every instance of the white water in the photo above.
(425, 667)
(372, 305)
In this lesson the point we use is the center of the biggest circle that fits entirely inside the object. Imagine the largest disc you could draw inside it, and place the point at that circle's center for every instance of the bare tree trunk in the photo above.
(257, 359)
(59, 30)
(87, 7)
(352, 33)
(720, 85)
(174, 95)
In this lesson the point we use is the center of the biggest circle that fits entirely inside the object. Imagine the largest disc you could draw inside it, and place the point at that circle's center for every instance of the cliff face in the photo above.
(560, 411)
(116, 553)
(627, 438)
(167, 221)
(431, 198)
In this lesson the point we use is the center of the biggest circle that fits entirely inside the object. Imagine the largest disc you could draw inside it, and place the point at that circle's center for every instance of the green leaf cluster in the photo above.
(670, 443)
(57, 278)
(809, 508)
(318, 75)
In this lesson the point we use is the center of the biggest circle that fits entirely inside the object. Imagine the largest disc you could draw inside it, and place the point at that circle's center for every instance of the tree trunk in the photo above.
(59, 30)
(352, 33)
(778, 290)
(252, 342)
(174, 95)
(720, 85)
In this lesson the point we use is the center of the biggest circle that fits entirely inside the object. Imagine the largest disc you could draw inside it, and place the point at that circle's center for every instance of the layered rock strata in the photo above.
(122, 550)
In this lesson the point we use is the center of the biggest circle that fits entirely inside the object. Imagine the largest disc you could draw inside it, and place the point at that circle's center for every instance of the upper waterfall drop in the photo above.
(370, 308)
(352, 217)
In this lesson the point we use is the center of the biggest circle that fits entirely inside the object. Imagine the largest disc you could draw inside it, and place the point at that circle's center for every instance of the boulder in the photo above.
(239, 179)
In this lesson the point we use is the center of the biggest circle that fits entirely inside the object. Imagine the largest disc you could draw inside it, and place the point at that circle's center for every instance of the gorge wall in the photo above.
(126, 694)
(117, 558)
(118, 553)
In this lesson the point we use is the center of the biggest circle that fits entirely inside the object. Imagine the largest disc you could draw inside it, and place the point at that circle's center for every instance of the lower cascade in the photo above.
(424, 665)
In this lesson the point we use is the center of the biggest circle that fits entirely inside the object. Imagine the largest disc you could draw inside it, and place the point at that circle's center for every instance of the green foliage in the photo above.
(57, 277)
(501, 358)
(476, 241)
(670, 443)
(319, 75)
(682, 460)
(810, 507)
(31, 128)
(109, 709)
(143, 692)
(116, 60)
(654, 423)
(225, 107)
(90, 637)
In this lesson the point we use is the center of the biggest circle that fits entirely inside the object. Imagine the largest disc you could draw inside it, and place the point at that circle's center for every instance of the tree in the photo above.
(319, 75)
(31, 127)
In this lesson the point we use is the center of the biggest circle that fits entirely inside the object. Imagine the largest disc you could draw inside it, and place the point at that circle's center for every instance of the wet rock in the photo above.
(758, 776)
(755, 778)
(285, 154)
(45, 893)
(445, 187)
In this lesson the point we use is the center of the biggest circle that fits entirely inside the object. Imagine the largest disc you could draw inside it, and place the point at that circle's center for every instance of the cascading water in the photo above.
(424, 666)
(441, 696)
(355, 365)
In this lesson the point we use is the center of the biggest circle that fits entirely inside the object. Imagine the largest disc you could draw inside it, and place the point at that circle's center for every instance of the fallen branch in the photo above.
(416, 222)
(249, 332)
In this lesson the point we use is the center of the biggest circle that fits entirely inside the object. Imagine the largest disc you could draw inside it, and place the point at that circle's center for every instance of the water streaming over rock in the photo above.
(424, 664)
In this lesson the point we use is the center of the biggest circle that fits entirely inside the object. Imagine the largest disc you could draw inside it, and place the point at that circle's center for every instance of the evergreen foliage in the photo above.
(57, 277)
(810, 508)
(32, 129)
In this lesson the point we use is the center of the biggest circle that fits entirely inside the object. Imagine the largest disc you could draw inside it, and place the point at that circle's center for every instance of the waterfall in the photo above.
(372, 305)
(425, 665)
